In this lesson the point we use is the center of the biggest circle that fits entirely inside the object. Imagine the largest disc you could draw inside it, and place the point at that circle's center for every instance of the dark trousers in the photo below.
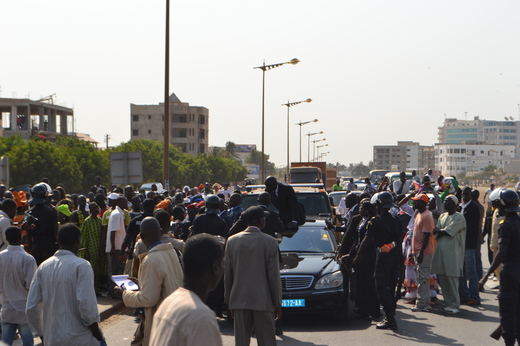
(43, 250)
(386, 276)
(509, 303)
(366, 295)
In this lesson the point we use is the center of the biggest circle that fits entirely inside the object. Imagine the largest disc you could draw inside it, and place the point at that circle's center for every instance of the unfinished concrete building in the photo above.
(29, 118)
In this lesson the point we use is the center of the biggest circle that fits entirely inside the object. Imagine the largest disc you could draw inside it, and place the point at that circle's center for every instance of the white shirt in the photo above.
(62, 302)
(184, 320)
(116, 223)
(17, 269)
(397, 185)
(5, 223)
(226, 193)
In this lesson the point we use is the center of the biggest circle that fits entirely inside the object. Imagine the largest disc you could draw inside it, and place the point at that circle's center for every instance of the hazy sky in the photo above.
(377, 71)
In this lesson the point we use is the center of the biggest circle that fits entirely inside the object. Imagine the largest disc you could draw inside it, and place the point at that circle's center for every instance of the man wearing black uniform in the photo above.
(43, 226)
(384, 233)
(509, 255)
(210, 222)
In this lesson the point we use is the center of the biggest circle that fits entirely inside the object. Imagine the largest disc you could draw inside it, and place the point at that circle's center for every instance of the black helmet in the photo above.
(506, 200)
(38, 193)
(212, 204)
(383, 199)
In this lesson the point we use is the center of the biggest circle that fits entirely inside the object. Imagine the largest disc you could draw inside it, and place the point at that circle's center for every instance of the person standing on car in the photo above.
(385, 235)
(284, 199)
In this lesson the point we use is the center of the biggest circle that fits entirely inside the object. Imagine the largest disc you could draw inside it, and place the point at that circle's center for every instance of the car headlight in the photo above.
(330, 280)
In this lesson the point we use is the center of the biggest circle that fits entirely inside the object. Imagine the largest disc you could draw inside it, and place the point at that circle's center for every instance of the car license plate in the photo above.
(293, 303)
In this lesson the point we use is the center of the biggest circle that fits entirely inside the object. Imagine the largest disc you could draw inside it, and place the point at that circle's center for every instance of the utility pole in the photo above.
(107, 138)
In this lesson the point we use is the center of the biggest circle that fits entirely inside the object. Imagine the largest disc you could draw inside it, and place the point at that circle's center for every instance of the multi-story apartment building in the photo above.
(453, 159)
(189, 125)
(455, 131)
(405, 156)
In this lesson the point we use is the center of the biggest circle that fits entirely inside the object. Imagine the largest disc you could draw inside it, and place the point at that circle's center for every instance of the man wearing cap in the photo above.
(448, 258)
(252, 281)
(43, 227)
(423, 245)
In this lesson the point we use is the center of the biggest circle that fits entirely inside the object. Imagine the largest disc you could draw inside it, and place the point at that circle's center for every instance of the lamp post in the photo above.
(289, 105)
(264, 68)
(314, 148)
(318, 149)
(301, 123)
(309, 143)
(166, 148)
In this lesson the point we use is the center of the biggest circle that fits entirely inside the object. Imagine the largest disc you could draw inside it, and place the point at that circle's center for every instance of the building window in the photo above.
(202, 134)
(201, 148)
(149, 117)
(135, 132)
(135, 117)
(149, 132)
(202, 120)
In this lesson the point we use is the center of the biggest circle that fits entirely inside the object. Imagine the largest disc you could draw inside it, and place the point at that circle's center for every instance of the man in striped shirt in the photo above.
(63, 291)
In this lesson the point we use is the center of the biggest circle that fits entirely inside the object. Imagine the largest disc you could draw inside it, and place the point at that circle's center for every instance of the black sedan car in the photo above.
(311, 278)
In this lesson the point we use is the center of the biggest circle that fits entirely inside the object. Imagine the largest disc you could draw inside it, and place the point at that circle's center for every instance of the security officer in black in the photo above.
(384, 233)
(509, 255)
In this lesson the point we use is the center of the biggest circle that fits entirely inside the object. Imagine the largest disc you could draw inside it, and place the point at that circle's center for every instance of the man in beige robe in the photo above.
(160, 274)
(448, 258)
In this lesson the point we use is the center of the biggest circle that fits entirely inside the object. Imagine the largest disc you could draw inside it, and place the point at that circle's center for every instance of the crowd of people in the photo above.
(63, 251)
(192, 254)
(410, 240)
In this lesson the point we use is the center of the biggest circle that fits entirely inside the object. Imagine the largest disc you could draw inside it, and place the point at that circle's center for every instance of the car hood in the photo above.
(308, 263)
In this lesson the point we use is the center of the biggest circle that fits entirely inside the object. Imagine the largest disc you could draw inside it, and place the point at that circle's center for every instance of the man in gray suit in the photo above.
(252, 281)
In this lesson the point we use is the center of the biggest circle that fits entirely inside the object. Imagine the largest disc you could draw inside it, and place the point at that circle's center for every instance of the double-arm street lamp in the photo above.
(289, 105)
(301, 123)
(314, 147)
(264, 68)
(309, 144)
(318, 149)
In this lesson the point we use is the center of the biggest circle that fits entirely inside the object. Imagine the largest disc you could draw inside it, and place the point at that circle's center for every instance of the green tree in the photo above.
(256, 158)
(30, 161)
(231, 150)
(92, 162)
(360, 170)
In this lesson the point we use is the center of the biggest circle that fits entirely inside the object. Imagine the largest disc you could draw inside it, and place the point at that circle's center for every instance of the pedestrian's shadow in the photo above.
(413, 330)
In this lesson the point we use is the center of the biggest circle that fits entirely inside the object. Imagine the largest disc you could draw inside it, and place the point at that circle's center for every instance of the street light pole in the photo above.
(289, 105)
(166, 148)
(301, 123)
(318, 149)
(264, 68)
(314, 147)
(309, 143)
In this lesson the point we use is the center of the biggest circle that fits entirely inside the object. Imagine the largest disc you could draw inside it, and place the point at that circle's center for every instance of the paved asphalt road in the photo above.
(471, 327)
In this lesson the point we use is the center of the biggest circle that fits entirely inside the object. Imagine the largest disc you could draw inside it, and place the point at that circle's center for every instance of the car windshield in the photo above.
(336, 197)
(308, 239)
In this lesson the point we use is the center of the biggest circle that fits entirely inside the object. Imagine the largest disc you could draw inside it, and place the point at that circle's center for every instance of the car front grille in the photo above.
(294, 282)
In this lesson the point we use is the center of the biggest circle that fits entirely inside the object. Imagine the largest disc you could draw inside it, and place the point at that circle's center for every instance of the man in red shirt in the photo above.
(423, 245)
